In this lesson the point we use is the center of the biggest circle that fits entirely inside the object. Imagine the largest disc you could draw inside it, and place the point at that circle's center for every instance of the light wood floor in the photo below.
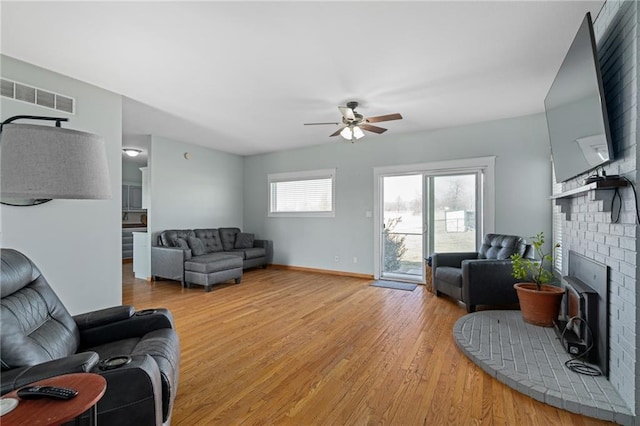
(300, 348)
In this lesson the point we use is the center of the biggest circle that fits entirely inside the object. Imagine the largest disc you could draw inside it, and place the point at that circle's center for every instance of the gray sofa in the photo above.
(207, 256)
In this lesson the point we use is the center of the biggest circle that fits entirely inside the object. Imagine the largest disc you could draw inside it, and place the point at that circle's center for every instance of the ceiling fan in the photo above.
(353, 123)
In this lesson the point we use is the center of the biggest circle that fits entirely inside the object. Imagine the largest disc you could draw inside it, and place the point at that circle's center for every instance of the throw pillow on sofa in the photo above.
(244, 240)
(197, 246)
(181, 243)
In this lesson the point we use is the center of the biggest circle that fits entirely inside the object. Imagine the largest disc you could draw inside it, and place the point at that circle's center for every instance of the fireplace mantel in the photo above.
(598, 191)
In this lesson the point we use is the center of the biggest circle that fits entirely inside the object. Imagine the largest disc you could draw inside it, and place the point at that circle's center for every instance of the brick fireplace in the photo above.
(588, 228)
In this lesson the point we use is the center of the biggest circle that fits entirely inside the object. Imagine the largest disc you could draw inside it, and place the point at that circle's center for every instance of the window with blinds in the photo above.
(556, 223)
(310, 193)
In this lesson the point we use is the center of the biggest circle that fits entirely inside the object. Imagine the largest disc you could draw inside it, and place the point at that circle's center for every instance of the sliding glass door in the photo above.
(453, 208)
(426, 212)
(402, 227)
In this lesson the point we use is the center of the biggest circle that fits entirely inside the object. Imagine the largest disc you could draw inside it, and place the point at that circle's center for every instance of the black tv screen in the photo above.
(576, 110)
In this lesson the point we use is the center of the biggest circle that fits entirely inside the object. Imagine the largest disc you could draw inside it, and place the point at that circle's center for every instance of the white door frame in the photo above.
(448, 166)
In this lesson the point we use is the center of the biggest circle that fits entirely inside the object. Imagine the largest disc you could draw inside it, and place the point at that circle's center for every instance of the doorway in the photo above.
(427, 208)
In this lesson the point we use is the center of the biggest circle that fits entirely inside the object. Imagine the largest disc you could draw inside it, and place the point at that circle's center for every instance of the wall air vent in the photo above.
(33, 95)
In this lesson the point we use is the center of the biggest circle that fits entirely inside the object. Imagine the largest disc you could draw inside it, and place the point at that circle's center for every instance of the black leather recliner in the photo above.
(483, 277)
(40, 339)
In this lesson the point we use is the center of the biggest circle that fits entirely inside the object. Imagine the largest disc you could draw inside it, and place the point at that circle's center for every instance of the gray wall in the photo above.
(75, 243)
(204, 191)
(522, 187)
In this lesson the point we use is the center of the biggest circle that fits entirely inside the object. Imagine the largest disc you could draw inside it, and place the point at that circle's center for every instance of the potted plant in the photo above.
(539, 301)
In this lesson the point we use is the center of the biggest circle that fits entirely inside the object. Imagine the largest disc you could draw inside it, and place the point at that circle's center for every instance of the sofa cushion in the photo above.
(213, 262)
(228, 237)
(250, 253)
(498, 246)
(197, 246)
(168, 238)
(449, 275)
(210, 238)
(244, 240)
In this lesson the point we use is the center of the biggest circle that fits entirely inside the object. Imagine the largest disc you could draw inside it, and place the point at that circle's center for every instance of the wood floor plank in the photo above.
(291, 347)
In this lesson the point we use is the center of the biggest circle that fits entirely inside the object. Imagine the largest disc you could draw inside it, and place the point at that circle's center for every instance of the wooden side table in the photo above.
(47, 411)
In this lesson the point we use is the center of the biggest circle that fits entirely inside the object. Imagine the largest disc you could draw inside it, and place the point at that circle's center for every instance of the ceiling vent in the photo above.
(33, 95)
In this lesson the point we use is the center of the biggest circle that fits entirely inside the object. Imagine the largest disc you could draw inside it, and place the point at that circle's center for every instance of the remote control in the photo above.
(35, 392)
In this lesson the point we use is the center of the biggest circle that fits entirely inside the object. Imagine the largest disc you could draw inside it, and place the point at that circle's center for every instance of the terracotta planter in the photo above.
(539, 307)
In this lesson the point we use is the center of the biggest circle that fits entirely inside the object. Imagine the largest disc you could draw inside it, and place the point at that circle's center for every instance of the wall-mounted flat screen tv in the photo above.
(576, 110)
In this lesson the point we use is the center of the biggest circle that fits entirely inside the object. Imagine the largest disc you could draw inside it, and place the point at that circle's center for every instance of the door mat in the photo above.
(394, 285)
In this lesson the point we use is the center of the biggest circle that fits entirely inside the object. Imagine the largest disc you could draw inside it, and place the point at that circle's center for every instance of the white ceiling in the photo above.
(243, 77)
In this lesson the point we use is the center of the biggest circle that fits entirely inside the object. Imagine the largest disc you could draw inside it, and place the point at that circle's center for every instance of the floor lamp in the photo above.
(39, 163)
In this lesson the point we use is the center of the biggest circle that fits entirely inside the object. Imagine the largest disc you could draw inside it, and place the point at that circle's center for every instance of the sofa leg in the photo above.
(438, 293)
(207, 288)
(238, 280)
(264, 266)
(471, 308)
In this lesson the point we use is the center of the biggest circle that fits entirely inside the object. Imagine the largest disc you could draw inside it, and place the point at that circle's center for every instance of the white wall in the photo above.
(131, 174)
(75, 243)
(522, 189)
(204, 191)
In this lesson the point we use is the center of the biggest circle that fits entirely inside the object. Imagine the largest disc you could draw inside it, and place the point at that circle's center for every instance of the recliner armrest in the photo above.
(137, 325)
(103, 316)
(453, 260)
(15, 378)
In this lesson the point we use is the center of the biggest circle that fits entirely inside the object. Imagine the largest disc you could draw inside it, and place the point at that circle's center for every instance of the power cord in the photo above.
(575, 364)
(613, 200)
(635, 198)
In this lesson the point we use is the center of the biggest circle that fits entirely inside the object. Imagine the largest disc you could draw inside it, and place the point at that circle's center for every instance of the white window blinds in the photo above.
(302, 193)
(557, 218)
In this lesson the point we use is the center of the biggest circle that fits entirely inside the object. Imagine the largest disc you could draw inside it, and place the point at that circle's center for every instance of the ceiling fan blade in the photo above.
(380, 118)
(374, 129)
(337, 132)
(317, 124)
(347, 113)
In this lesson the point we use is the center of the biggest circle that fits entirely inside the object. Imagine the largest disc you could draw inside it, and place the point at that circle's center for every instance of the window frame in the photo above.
(302, 176)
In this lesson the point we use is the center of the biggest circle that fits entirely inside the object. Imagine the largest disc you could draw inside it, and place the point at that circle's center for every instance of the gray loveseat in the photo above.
(207, 256)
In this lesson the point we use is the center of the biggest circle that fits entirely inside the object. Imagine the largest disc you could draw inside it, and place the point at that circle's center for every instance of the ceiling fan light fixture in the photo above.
(357, 132)
(347, 133)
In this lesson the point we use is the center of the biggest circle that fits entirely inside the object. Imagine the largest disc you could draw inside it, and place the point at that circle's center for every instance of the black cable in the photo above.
(575, 364)
(635, 198)
(613, 200)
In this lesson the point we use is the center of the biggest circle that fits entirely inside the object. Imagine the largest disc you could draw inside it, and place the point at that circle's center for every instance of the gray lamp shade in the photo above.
(52, 162)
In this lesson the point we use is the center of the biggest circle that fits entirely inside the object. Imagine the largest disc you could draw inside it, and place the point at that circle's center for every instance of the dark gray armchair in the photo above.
(40, 339)
(483, 277)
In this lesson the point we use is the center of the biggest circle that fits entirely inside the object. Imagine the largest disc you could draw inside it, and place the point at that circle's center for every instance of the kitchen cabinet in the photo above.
(131, 198)
(127, 241)
(127, 244)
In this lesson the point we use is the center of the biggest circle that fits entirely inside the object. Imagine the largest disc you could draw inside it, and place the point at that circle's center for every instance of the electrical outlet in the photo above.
(336, 259)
